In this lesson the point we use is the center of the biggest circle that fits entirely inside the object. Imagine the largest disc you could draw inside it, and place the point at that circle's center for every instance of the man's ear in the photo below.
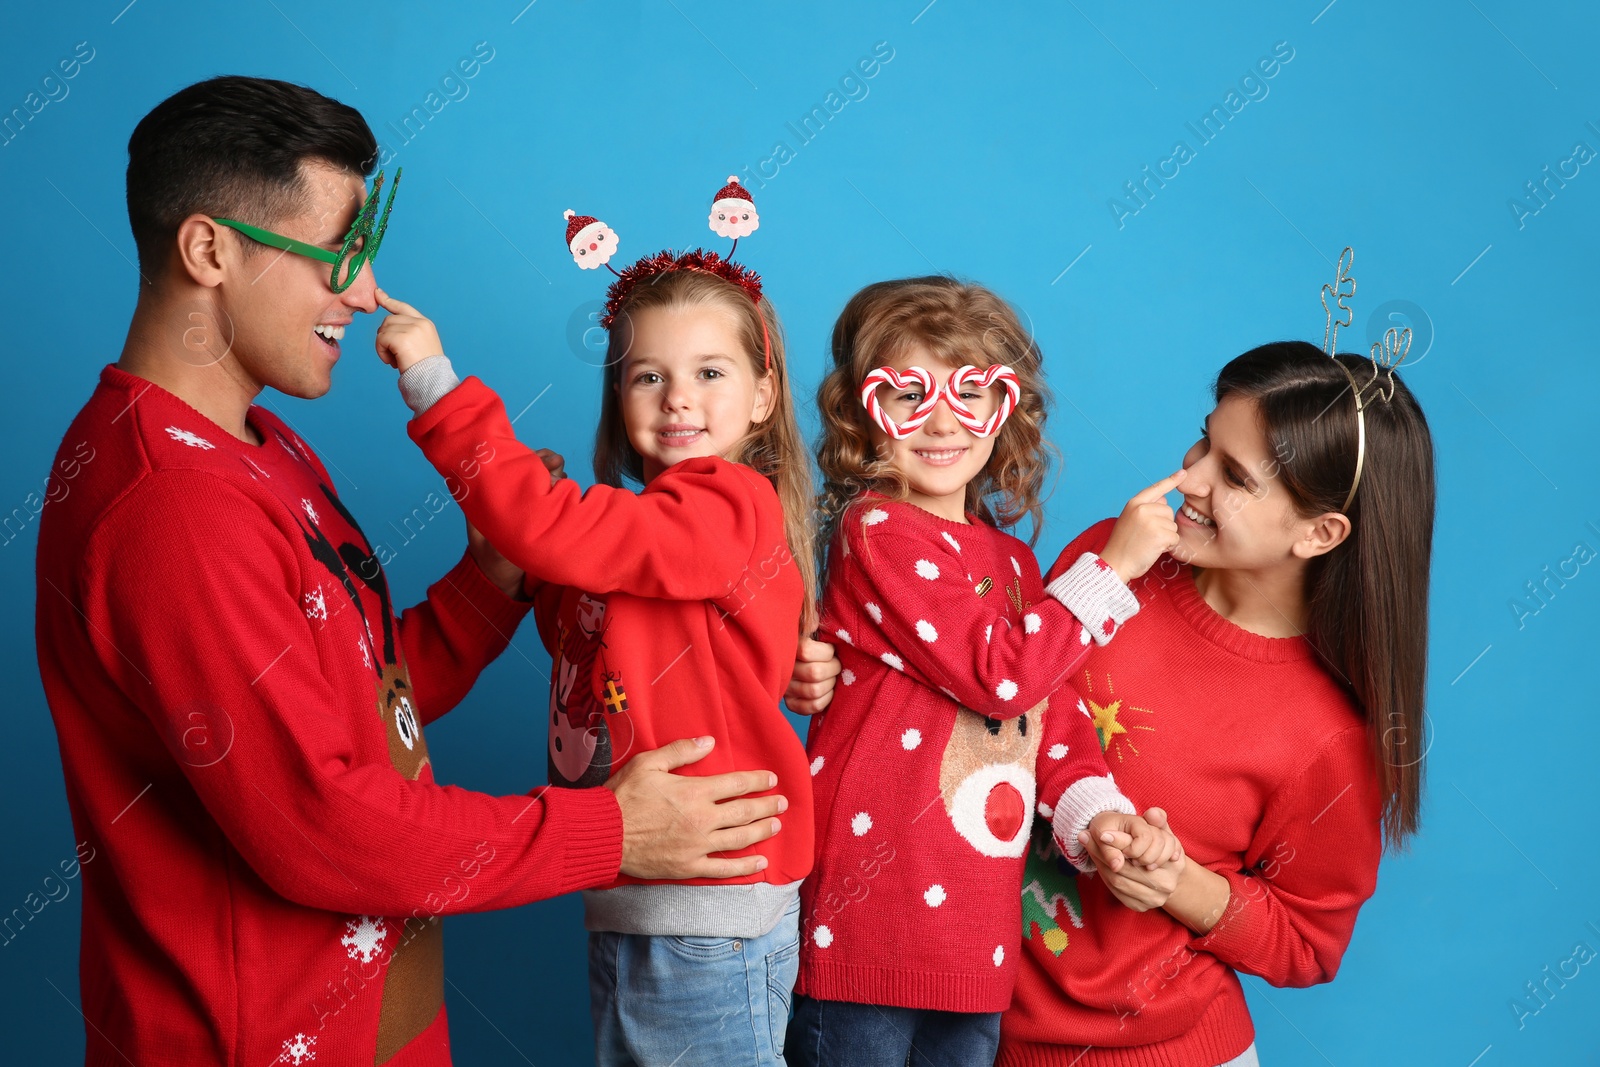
(201, 252)
(1324, 533)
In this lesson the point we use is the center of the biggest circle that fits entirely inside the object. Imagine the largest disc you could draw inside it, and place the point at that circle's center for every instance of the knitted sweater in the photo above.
(1261, 759)
(240, 712)
(950, 727)
(673, 612)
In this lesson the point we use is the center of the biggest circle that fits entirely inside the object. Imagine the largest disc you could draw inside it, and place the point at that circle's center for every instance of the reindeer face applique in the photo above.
(986, 779)
(407, 751)
(394, 700)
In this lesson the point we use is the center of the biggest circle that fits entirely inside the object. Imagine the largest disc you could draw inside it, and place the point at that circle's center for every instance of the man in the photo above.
(240, 711)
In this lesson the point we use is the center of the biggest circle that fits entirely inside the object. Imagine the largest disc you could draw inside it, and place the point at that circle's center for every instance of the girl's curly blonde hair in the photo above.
(959, 323)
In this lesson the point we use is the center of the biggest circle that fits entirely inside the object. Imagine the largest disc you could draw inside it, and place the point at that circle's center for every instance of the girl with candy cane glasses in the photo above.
(952, 726)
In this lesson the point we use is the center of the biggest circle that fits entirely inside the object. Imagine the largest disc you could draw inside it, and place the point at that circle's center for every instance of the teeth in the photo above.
(951, 453)
(1196, 516)
(332, 333)
(679, 433)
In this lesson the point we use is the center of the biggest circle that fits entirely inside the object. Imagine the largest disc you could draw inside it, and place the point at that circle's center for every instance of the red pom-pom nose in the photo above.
(1003, 811)
(594, 246)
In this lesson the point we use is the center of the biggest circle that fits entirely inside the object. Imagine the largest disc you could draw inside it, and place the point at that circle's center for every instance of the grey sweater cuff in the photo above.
(426, 382)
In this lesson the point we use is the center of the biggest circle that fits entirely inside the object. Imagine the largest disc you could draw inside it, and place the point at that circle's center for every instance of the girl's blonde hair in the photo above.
(959, 323)
(774, 448)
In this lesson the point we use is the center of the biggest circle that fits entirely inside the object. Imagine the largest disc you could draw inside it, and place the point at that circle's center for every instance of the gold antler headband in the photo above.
(1386, 355)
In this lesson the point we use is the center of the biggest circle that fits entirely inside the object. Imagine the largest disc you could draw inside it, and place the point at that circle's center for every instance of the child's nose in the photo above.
(942, 421)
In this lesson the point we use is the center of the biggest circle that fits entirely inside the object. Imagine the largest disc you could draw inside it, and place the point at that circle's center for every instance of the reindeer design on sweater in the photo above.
(986, 778)
(413, 986)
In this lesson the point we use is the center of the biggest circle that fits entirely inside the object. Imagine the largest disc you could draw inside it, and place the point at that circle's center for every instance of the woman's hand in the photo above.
(406, 337)
(1145, 529)
(1137, 885)
(815, 670)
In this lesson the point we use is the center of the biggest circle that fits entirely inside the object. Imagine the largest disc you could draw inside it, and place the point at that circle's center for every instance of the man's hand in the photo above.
(554, 462)
(1145, 529)
(406, 337)
(499, 570)
(671, 823)
(816, 669)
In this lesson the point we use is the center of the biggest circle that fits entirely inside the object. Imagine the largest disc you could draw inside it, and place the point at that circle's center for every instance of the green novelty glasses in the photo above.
(360, 243)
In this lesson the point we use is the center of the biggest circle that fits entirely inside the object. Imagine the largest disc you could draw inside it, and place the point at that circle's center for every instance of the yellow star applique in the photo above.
(1105, 721)
(1107, 726)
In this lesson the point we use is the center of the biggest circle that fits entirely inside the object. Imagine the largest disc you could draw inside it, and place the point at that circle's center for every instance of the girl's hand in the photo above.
(1136, 885)
(1145, 529)
(405, 337)
(815, 670)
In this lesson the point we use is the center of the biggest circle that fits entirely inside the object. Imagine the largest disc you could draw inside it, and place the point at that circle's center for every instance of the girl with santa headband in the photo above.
(952, 725)
(671, 597)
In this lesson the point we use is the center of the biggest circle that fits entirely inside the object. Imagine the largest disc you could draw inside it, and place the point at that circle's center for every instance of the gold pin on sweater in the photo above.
(984, 586)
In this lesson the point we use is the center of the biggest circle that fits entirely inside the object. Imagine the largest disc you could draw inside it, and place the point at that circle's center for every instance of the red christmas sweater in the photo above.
(950, 726)
(673, 612)
(1261, 759)
(240, 714)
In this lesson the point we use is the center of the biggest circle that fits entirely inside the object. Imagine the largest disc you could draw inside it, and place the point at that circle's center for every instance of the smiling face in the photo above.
(1237, 514)
(287, 322)
(939, 458)
(686, 386)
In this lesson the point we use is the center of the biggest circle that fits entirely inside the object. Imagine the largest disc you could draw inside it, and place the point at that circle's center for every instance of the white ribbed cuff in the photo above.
(1091, 590)
(1083, 800)
(426, 382)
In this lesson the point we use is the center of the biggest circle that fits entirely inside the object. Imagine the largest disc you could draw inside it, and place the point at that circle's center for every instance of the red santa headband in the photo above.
(733, 214)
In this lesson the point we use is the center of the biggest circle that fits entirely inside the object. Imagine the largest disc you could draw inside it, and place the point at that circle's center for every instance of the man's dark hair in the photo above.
(231, 147)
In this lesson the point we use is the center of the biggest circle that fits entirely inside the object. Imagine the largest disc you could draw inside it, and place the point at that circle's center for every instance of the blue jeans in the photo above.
(837, 1033)
(688, 1001)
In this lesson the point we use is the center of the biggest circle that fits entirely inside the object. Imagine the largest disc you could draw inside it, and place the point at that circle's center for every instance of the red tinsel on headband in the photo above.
(698, 259)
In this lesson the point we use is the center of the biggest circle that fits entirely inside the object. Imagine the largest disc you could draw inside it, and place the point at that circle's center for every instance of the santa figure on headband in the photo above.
(733, 213)
(591, 242)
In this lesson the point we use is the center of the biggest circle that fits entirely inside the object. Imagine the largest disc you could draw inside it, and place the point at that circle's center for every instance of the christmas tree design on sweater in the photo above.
(1050, 884)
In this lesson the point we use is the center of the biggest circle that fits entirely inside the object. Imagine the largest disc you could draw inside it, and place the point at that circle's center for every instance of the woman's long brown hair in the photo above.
(958, 323)
(773, 448)
(1368, 597)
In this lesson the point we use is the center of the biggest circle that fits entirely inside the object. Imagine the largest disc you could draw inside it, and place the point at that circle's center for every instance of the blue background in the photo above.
(991, 145)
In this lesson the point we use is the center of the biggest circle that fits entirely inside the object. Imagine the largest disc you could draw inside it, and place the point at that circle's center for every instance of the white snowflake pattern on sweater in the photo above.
(190, 439)
(363, 937)
(298, 1049)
